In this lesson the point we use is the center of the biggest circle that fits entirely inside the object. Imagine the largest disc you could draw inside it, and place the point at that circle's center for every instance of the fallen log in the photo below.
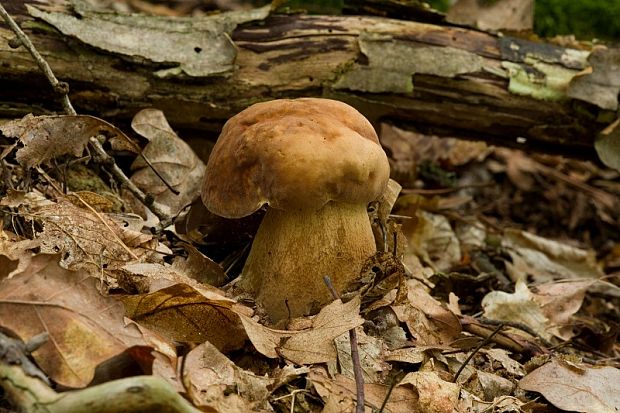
(435, 79)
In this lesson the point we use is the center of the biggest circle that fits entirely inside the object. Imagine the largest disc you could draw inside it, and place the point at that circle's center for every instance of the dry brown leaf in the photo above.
(83, 238)
(471, 235)
(427, 320)
(199, 267)
(214, 400)
(130, 230)
(85, 327)
(129, 221)
(100, 203)
(434, 394)
(493, 386)
(576, 387)
(512, 366)
(316, 344)
(414, 355)
(409, 149)
(137, 239)
(411, 355)
(559, 301)
(46, 137)
(600, 83)
(310, 346)
(340, 391)
(148, 277)
(371, 356)
(15, 254)
(33, 199)
(209, 376)
(518, 307)
(287, 374)
(546, 260)
(472, 404)
(185, 314)
(339, 404)
(493, 15)
(173, 159)
(431, 238)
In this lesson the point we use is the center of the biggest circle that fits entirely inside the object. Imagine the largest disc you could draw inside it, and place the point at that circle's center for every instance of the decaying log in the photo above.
(435, 79)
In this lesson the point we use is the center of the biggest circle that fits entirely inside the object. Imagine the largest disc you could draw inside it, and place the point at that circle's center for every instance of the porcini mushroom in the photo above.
(316, 163)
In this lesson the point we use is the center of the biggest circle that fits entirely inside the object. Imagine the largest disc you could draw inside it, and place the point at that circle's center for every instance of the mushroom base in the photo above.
(293, 250)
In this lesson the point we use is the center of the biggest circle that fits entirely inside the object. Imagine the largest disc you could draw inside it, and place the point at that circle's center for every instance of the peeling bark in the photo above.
(435, 79)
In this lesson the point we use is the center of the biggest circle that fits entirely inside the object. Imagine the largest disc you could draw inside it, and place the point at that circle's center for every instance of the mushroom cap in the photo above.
(294, 154)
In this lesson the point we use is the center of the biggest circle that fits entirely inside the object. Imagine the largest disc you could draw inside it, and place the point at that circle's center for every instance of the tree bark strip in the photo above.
(330, 56)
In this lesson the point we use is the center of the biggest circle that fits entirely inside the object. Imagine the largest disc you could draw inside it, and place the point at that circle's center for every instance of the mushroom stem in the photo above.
(293, 250)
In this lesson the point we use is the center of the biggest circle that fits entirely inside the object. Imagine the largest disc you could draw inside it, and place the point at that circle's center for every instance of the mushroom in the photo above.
(316, 163)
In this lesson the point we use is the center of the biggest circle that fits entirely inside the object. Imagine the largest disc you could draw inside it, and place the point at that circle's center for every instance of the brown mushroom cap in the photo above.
(294, 154)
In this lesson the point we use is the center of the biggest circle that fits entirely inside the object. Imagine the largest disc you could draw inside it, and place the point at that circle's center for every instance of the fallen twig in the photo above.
(62, 88)
(355, 357)
(145, 199)
(474, 351)
(512, 342)
(517, 325)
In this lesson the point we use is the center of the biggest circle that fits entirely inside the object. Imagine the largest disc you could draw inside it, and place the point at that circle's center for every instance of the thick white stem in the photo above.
(293, 250)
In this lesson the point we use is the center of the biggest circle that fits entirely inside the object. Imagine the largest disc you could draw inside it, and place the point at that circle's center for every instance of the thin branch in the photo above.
(474, 351)
(520, 326)
(387, 395)
(159, 175)
(147, 200)
(62, 88)
(355, 356)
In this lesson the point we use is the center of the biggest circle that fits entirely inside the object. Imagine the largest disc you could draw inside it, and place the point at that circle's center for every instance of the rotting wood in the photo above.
(381, 66)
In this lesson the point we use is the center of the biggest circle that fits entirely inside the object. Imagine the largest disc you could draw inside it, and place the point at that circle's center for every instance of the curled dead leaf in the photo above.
(171, 157)
(545, 259)
(518, 307)
(85, 327)
(199, 267)
(434, 394)
(576, 387)
(85, 239)
(47, 137)
(339, 392)
(427, 320)
(209, 375)
(184, 314)
(559, 301)
(371, 352)
(312, 345)
(15, 254)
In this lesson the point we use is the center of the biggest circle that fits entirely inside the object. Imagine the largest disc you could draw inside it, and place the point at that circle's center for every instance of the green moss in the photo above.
(433, 172)
(441, 5)
(584, 18)
(330, 7)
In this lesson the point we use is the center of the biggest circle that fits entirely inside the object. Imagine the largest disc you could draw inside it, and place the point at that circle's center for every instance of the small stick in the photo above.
(106, 159)
(62, 88)
(387, 395)
(156, 172)
(355, 356)
(474, 351)
(520, 326)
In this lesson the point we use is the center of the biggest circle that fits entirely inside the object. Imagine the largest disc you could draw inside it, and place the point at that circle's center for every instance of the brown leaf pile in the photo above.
(474, 308)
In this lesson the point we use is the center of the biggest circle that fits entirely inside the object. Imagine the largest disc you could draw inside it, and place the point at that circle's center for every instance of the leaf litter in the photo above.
(529, 243)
